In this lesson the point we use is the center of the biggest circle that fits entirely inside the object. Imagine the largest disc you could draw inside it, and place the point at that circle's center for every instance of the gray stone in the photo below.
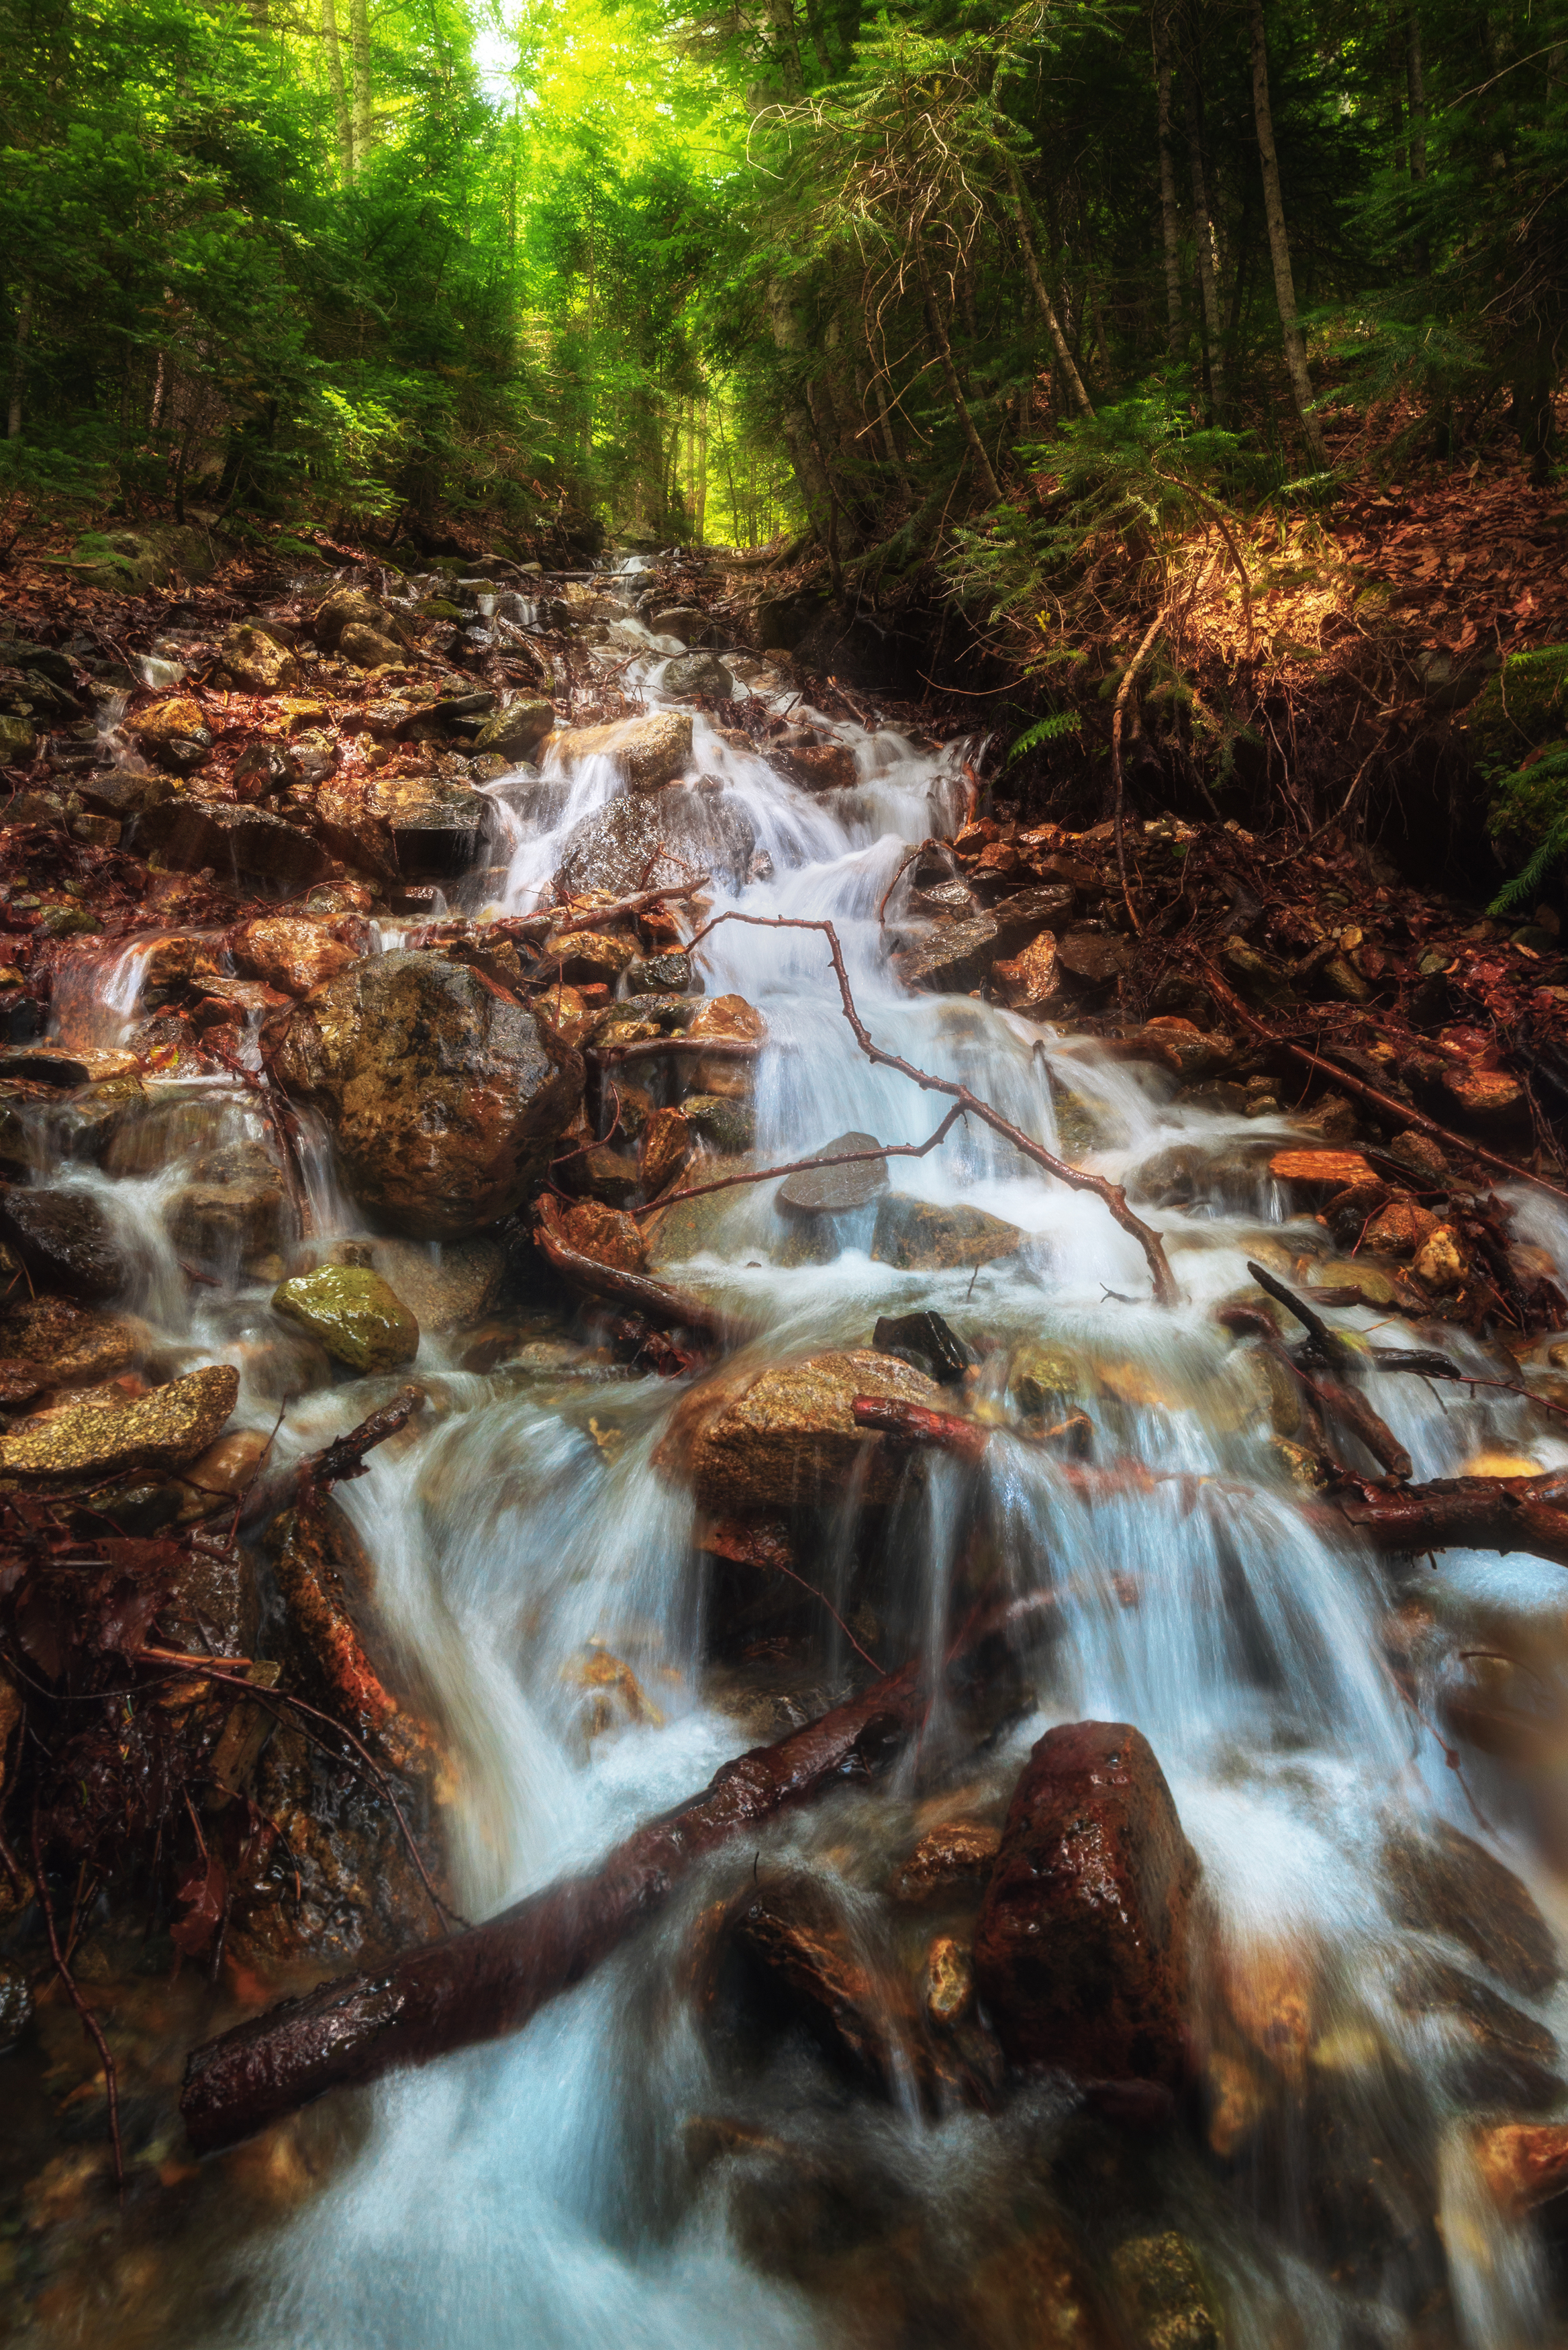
(64, 1240)
(835, 1189)
(919, 1237)
(952, 957)
(694, 674)
(648, 840)
(189, 834)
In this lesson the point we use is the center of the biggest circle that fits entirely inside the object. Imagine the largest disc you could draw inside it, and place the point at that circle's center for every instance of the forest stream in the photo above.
(1136, 1921)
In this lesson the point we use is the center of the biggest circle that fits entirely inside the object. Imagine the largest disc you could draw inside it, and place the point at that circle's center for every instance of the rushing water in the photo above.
(545, 2192)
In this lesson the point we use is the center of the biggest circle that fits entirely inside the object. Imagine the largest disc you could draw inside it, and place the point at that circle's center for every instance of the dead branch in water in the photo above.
(493, 1978)
(804, 1166)
(664, 1307)
(1496, 1513)
(344, 1458)
(1113, 1194)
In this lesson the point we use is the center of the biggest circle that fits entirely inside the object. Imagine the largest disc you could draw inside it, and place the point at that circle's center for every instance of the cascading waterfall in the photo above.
(543, 2191)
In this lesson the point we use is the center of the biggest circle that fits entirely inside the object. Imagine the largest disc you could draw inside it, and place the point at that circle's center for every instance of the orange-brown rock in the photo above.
(1029, 979)
(604, 1233)
(1400, 1228)
(1338, 1171)
(1524, 2164)
(728, 1016)
(666, 1147)
(1485, 1097)
(445, 1101)
(785, 1436)
(1441, 1260)
(651, 752)
(950, 1858)
(1445, 1882)
(1082, 1950)
(288, 953)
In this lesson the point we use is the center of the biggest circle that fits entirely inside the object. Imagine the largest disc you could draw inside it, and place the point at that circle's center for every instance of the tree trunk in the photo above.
(359, 42)
(1169, 224)
(702, 470)
(1415, 107)
(939, 335)
(334, 49)
(1280, 246)
(19, 365)
(799, 432)
(1208, 257)
(491, 1979)
(1059, 344)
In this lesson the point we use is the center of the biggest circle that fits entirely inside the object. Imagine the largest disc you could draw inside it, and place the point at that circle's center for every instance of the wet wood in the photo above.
(489, 1981)
(668, 1309)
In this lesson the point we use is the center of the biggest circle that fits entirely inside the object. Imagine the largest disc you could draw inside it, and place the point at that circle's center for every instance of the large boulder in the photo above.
(692, 673)
(650, 752)
(408, 828)
(445, 1101)
(639, 842)
(950, 957)
(785, 1436)
(72, 1346)
(357, 1316)
(257, 661)
(351, 608)
(919, 1236)
(1082, 1952)
(234, 839)
(1445, 1883)
(288, 953)
(517, 731)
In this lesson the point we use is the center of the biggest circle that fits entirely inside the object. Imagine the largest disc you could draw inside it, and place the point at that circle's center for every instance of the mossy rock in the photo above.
(1522, 714)
(359, 1317)
(123, 560)
(436, 607)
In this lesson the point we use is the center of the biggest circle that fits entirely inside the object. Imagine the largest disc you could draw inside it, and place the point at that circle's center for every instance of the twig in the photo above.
(802, 1165)
(1113, 1194)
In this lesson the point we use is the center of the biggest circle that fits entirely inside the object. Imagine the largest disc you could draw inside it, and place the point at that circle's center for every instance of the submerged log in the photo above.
(491, 1979)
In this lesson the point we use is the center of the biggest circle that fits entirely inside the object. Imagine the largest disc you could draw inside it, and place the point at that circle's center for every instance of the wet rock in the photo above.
(63, 1239)
(160, 1430)
(1035, 2291)
(925, 1341)
(731, 1127)
(256, 663)
(919, 1237)
(1485, 1097)
(820, 766)
(174, 718)
(650, 752)
(687, 621)
(1232, 1179)
(604, 1233)
(516, 732)
(1030, 980)
(234, 839)
(694, 674)
(1445, 1883)
(288, 953)
(1400, 1228)
(950, 1983)
(1441, 1261)
(367, 648)
(443, 1293)
(1096, 956)
(1023, 915)
(607, 1175)
(658, 974)
(121, 792)
(1167, 2302)
(950, 957)
(351, 1310)
(586, 957)
(953, 1858)
(348, 608)
(666, 1146)
(72, 1346)
(1524, 2164)
(794, 1938)
(446, 1102)
(1081, 1948)
(835, 1189)
(1042, 1378)
(785, 1438)
(234, 1212)
(436, 828)
(640, 841)
(1506, 2057)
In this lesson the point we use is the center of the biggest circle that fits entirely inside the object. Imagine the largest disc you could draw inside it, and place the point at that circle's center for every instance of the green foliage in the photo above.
(1055, 728)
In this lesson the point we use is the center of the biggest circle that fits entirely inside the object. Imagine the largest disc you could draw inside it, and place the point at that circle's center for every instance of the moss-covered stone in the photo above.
(359, 1317)
(162, 1429)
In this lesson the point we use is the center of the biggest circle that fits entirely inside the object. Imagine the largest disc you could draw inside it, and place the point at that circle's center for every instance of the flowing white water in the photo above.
(543, 2192)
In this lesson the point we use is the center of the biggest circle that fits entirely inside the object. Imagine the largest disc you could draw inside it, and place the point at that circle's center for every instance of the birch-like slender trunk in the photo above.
(1279, 245)
(1171, 227)
(360, 44)
(1208, 254)
(19, 366)
(944, 351)
(1047, 308)
(334, 48)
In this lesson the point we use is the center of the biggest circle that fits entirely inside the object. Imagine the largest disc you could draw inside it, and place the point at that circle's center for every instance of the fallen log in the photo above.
(666, 1307)
(1496, 1513)
(490, 1980)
